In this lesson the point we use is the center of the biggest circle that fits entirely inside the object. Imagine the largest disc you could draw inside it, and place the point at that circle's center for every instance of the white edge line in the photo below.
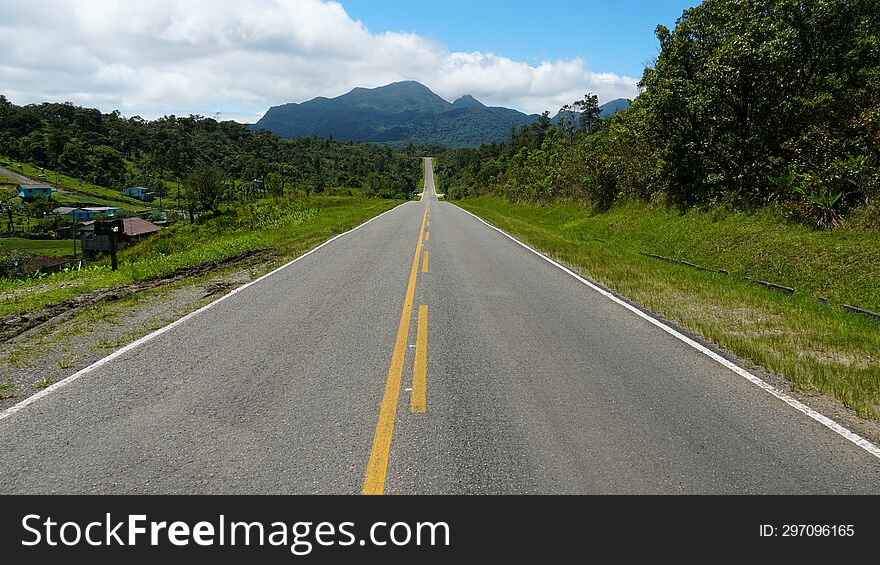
(794, 403)
(149, 337)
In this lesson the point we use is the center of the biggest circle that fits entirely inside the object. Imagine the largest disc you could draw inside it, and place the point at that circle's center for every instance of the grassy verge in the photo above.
(44, 247)
(283, 229)
(816, 348)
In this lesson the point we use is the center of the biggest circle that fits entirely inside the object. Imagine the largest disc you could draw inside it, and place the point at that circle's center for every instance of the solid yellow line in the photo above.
(374, 482)
(426, 235)
(418, 402)
(425, 262)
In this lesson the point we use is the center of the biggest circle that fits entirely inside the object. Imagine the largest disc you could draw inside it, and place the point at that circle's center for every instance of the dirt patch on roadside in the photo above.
(18, 326)
(105, 321)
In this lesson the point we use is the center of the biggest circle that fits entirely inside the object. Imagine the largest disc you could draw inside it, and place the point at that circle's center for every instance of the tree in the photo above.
(743, 87)
(39, 208)
(204, 190)
(5, 107)
(274, 184)
(588, 112)
(159, 189)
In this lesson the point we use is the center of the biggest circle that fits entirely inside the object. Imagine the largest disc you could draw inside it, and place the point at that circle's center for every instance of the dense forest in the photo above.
(112, 151)
(750, 103)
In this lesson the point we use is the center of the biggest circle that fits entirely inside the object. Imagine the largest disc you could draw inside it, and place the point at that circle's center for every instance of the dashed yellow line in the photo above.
(374, 482)
(426, 235)
(425, 262)
(418, 402)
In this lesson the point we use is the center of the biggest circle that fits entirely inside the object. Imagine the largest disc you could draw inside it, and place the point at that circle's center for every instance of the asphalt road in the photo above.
(15, 176)
(361, 369)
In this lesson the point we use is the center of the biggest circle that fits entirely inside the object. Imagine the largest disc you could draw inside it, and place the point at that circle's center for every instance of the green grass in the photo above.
(282, 229)
(816, 348)
(88, 192)
(67, 362)
(44, 382)
(7, 389)
(4, 180)
(77, 199)
(45, 247)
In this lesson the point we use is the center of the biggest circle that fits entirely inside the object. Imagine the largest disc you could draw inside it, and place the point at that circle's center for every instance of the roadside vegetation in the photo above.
(749, 104)
(100, 154)
(273, 229)
(754, 147)
(198, 169)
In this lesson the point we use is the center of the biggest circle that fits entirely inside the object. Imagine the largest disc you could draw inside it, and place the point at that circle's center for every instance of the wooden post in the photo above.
(113, 238)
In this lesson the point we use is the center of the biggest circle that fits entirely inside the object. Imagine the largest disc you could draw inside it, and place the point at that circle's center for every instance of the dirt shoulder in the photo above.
(17, 326)
(44, 347)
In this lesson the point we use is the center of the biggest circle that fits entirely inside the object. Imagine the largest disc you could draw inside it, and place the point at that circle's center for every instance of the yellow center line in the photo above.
(374, 482)
(425, 262)
(418, 402)
(426, 235)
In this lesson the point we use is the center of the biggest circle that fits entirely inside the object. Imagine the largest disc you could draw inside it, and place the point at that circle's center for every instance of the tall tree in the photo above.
(588, 112)
(204, 190)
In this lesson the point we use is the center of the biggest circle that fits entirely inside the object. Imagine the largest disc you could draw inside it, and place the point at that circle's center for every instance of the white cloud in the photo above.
(155, 57)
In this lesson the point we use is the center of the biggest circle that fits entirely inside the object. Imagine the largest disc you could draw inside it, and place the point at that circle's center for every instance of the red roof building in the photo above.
(137, 227)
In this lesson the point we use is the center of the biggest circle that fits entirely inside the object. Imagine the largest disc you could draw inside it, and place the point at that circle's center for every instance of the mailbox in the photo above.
(109, 227)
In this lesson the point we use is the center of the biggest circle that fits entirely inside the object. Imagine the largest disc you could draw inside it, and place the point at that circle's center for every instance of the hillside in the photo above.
(402, 113)
(396, 114)
(613, 107)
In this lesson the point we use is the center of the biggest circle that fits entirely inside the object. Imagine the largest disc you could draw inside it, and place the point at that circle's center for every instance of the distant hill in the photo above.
(398, 114)
(613, 107)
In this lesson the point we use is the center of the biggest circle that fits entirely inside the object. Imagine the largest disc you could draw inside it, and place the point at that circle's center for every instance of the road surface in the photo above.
(422, 353)
(21, 179)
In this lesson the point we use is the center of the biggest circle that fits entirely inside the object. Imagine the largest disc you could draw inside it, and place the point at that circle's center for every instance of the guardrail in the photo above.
(768, 285)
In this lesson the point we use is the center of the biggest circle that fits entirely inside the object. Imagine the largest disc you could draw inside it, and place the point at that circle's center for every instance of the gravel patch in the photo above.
(70, 342)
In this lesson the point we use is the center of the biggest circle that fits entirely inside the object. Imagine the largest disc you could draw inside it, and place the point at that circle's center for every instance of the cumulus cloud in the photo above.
(156, 57)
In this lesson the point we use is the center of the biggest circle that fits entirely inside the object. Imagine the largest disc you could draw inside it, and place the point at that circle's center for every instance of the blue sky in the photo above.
(239, 57)
(615, 36)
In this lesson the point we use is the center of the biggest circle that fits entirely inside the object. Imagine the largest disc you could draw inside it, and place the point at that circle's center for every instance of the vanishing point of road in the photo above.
(424, 352)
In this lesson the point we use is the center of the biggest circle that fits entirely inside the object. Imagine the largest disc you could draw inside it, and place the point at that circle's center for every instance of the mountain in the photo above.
(468, 101)
(401, 113)
(613, 107)
(396, 114)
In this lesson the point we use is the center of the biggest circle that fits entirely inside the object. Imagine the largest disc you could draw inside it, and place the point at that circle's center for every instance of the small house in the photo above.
(30, 191)
(139, 192)
(68, 232)
(91, 212)
(133, 229)
(87, 213)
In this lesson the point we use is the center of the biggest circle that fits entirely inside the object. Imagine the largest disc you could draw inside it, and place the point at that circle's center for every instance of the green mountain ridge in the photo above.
(396, 114)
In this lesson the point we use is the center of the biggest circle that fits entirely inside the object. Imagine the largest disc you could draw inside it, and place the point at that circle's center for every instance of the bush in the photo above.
(13, 263)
